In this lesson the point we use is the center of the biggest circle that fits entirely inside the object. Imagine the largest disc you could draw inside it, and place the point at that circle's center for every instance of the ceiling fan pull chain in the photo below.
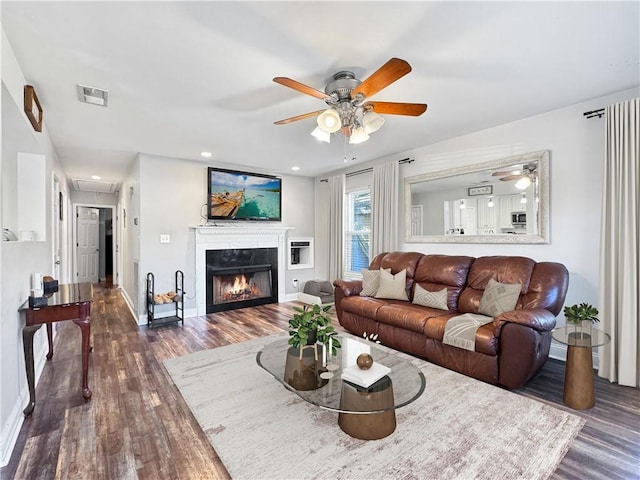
(345, 149)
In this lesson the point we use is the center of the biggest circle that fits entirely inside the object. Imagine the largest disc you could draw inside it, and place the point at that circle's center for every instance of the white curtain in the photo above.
(619, 300)
(336, 215)
(384, 209)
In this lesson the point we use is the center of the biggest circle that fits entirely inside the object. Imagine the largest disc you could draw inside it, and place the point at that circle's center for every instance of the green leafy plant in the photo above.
(310, 321)
(578, 313)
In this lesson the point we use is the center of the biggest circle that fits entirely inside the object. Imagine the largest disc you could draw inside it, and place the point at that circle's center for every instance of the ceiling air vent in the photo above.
(93, 95)
(94, 186)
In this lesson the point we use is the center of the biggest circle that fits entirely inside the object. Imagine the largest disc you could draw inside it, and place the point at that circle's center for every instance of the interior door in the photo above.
(87, 250)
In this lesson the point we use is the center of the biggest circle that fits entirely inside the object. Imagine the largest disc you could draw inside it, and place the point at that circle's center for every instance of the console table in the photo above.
(70, 302)
(579, 392)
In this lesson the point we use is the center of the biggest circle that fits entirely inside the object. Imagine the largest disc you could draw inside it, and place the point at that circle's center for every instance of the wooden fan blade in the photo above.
(512, 177)
(384, 76)
(301, 87)
(299, 117)
(394, 108)
(508, 172)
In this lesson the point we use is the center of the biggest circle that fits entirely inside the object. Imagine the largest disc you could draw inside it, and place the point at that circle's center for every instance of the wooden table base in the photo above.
(368, 426)
(579, 392)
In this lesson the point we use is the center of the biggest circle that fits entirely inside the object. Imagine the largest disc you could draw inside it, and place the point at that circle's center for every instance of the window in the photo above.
(357, 232)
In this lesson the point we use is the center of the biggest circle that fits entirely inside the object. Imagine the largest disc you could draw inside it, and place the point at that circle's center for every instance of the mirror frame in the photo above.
(542, 157)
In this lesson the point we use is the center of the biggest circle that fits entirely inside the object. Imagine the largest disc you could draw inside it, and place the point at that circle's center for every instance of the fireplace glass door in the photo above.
(238, 285)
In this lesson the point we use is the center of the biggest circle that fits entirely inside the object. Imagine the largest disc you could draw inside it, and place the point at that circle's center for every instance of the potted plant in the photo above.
(311, 324)
(583, 316)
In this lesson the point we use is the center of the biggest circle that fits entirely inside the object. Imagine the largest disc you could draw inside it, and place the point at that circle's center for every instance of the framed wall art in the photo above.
(481, 190)
(32, 108)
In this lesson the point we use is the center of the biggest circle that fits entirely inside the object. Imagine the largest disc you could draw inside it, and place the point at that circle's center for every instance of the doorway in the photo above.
(94, 244)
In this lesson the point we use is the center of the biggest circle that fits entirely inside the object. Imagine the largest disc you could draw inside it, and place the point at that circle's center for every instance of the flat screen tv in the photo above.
(235, 195)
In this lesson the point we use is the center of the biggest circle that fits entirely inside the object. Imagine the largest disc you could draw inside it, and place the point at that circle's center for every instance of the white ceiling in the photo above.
(186, 77)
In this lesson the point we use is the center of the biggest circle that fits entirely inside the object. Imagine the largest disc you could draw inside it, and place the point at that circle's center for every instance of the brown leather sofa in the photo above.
(508, 351)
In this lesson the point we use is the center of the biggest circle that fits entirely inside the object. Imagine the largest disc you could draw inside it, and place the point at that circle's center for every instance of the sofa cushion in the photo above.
(498, 298)
(486, 340)
(437, 271)
(426, 298)
(362, 306)
(397, 261)
(405, 315)
(502, 269)
(392, 286)
(370, 282)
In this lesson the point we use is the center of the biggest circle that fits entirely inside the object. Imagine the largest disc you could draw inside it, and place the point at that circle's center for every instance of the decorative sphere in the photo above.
(364, 361)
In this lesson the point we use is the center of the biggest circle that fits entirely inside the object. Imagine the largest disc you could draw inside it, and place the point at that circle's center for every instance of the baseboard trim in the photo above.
(129, 303)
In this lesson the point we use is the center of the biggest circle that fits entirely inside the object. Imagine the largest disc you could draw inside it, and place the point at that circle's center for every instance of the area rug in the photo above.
(460, 428)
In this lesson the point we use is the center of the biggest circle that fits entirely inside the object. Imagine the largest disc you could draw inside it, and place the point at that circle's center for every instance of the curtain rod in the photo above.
(369, 169)
(594, 113)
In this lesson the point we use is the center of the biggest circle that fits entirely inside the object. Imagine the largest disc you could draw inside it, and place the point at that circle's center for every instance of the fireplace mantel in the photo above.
(225, 237)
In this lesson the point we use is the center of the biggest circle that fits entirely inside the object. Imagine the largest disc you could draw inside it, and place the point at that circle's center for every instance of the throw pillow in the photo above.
(430, 299)
(392, 286)
(499, 297)
(370, 282)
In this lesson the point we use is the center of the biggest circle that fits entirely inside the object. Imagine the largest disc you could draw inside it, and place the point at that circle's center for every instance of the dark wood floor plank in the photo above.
(138, 426)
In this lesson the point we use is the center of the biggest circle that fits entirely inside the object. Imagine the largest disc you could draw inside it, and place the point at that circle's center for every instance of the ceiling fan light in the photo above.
(371, 121)
(523, 183)
(358, 135)
(329, 120)
(321, 135)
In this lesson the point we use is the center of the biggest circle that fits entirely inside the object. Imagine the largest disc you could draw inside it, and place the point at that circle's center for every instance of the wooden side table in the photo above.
(70, 302)
(579, 391)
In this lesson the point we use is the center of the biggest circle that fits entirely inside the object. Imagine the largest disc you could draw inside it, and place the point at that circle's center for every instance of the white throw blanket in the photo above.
(461, 331)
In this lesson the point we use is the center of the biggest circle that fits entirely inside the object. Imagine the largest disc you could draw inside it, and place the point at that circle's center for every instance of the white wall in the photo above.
(18, 260)
(129, 233)
(576, 168)
(171, 194)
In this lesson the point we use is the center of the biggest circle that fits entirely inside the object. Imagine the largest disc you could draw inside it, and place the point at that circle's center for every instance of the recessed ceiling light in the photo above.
(95, 177)
(295, 169)
(205, 154)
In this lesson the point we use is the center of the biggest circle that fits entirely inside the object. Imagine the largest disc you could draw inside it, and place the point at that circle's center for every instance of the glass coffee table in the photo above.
(364, 413)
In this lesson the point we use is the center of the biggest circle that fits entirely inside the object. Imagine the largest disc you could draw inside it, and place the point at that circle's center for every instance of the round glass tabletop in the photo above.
(318, 380)
(580, 336)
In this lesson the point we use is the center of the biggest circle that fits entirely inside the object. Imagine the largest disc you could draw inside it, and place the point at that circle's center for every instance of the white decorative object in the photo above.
(350, 351)
(364, 378)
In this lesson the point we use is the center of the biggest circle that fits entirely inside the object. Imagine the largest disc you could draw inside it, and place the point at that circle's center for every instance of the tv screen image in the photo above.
(236, 195)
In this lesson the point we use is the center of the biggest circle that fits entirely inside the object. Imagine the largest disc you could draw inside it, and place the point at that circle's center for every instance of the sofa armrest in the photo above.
(349, 287)
(537, 318)
(345, 288)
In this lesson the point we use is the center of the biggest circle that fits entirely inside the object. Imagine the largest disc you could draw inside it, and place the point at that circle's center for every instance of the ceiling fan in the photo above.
(522, 176)
(345, 96)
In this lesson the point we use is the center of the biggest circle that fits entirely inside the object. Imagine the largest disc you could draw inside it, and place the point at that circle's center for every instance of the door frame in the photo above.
(56, 229)
(114, 247)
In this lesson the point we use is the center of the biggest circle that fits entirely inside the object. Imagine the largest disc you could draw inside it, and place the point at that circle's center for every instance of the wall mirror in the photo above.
(500, 201)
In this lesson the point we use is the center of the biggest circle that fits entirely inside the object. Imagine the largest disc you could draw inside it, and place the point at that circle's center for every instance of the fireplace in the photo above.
(231, 237)
(239, 278)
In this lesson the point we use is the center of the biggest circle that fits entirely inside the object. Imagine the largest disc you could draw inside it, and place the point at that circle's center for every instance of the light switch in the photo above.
(165, 238)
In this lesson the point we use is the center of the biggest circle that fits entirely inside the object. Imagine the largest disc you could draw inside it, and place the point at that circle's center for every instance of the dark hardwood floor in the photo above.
(138, 426)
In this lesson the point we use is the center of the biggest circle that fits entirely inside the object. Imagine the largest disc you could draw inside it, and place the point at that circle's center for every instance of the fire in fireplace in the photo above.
(241, 278)
(242, 285)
